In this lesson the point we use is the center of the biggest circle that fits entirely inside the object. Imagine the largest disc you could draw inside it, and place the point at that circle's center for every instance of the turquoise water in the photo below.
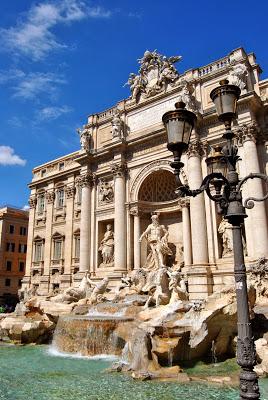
(31, 373)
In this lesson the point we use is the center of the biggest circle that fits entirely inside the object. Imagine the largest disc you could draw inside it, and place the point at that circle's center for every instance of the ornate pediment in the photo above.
(155, 74)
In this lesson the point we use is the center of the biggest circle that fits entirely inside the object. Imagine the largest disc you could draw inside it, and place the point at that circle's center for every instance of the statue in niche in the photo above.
(85, 138)
(106, 192)
(117, 124)
(157, 239)
(226, 233)
(238, 76)
(107, 247)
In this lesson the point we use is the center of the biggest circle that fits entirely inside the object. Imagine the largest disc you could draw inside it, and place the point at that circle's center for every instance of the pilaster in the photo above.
(29, 256)
(86, 183)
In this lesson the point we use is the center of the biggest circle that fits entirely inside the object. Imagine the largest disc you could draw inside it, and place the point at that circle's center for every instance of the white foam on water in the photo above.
(54, 352)
(94, 313)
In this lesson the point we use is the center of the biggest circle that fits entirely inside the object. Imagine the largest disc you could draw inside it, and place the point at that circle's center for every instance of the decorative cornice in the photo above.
(50, 196)
(119, 169)
(32, 201)
(197, 149)
(86, 179)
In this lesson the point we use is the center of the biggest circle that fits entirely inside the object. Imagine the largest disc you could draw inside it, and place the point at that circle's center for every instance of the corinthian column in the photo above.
(86, 183)
(197, 205)
(119, 171)
(186, 231)
(136, 237)
(258, 218)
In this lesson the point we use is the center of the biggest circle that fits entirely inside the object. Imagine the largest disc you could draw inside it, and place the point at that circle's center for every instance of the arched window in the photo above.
(159, 186)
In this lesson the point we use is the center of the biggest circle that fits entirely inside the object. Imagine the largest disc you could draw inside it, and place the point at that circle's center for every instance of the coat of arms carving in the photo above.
(155, 74)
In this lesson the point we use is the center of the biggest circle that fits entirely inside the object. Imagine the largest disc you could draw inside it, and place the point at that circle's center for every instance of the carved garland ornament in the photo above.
(50, 196)
(70, 191)
(32, 201)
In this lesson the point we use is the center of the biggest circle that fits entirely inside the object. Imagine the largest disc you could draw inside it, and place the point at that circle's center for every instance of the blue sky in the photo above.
(62, 60)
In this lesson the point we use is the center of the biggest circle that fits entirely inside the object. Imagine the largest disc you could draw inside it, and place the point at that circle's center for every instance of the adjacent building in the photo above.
(13, 248)
(89, 208)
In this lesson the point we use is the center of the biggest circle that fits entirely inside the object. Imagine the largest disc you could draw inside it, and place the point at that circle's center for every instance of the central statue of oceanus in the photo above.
(157, 238)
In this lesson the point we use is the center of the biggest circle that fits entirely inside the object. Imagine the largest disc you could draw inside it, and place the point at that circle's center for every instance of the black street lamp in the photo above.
(222, 185)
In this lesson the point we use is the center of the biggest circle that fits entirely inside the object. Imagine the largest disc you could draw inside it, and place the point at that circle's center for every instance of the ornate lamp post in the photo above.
(222, 185)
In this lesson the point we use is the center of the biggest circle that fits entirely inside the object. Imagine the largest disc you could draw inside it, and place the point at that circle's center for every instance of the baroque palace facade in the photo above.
(88, 209)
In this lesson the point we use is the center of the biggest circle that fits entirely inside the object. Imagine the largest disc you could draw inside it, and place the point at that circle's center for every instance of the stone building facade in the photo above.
(122, 175)
(13, 248)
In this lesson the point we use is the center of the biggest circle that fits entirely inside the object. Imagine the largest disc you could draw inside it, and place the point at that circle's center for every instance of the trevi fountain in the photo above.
(129, 291)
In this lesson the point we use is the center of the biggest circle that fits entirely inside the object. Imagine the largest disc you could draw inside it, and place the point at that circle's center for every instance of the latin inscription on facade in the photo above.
(150, 116)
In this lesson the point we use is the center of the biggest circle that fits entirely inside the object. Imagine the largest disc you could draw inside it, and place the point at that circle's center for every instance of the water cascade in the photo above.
(91, 335)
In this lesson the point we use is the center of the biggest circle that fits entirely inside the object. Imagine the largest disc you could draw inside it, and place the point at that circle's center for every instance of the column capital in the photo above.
(197, 149)
(70, 191)
(134, 210)
(119, 169)
(184, 202)
(247, 132)
(86, 180)
(50, 196)
(32, 201)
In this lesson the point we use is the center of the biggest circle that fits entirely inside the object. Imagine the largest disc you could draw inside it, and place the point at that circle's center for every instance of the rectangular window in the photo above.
(7, 282)
(23, 230)
(60, 197)
(21, 266)
(10, 247)
(11, 229)
(8, 265)
(38, 251)
(61, 166)
(43, 172)
(22, 248)
(77, 246)
(57, 249)
(19, 282)
(41, 203)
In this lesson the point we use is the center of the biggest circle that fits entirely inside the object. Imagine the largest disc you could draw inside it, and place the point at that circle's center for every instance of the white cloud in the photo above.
(36, 83)
(26, 207)
(33, 35)
(52, 113)
(15, 122)
(31, 85)
(99, 12)
(8, 157)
